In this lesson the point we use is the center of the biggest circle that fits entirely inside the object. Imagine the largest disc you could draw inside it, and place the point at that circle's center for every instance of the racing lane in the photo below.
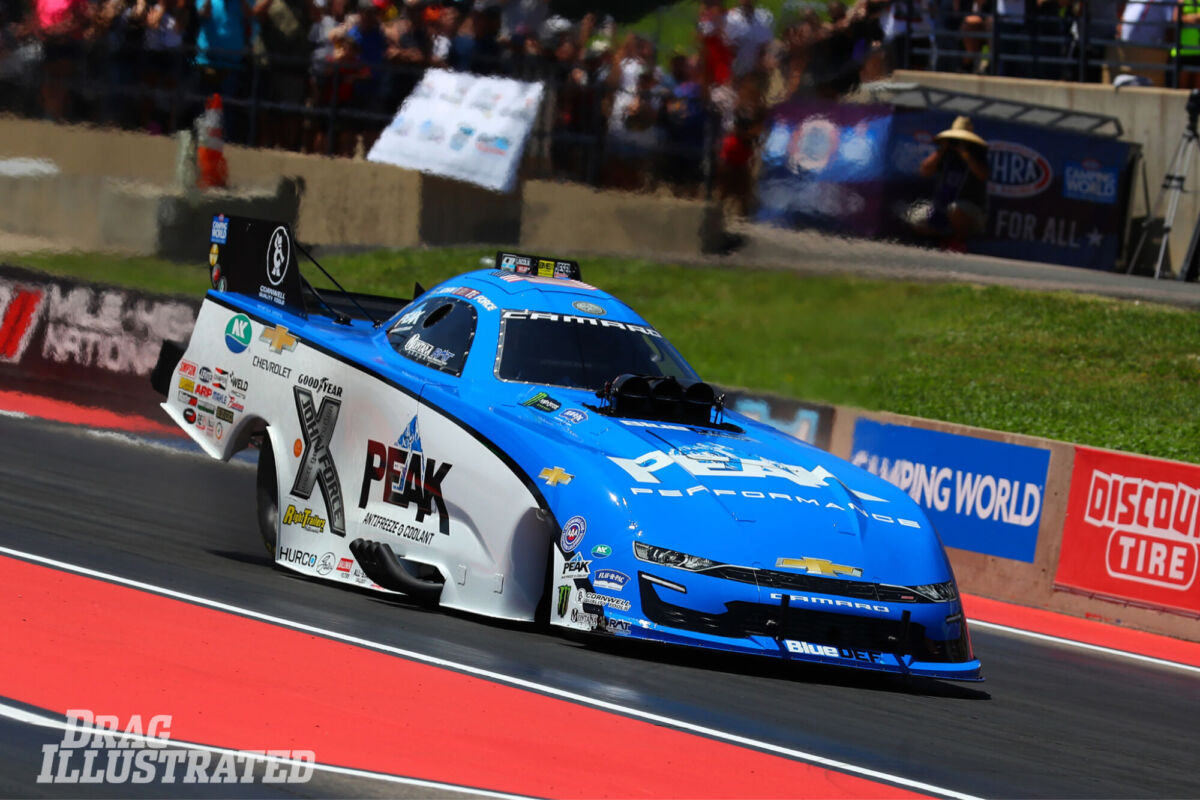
(1049, 721)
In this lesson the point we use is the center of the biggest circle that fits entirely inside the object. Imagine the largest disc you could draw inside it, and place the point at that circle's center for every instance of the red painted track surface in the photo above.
(61, 411)
(76, 642)
(1081, 630)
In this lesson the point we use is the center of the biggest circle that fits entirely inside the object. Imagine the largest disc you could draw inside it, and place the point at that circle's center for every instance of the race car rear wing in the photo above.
(258, 258)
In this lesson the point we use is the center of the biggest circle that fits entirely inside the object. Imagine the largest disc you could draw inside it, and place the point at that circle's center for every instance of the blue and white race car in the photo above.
(518, 444)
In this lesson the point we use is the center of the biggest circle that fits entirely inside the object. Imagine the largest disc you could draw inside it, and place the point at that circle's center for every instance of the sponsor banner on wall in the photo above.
(808, 422)
(85, 342)
(468, 127)
(1055, 196)
(1131, 530)
(982, 495)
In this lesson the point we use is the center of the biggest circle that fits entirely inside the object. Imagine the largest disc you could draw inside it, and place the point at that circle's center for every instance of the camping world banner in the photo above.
(1131, 530)
(468, 127)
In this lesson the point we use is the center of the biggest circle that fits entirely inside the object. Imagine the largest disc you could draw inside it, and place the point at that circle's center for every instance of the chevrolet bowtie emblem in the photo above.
(818, 566)
(553, 477)
(278, 338)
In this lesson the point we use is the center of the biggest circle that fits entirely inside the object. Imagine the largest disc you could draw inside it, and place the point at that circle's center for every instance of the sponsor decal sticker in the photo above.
(187, 368)
(814, 600)
(189, 416)
(573, 533)
(273, 367)
(543, 402)
(409, 476)
(326, 565)
(345, 564)
(279, 250)
(297, 448)
(818, 566)
(601, 551)
(187, 399)
(206, 374)
(187, 384)
(577, 567)
(220, 229)
(828, 651)
(410, 532)
(290, 555)
(304, 518)
(603, 323)
(584, 307)
(609, 579)
(319, 384)
(564, 597)
(225, 415)
(555, 476)
(573, 415)
(591, 598)
(278, 339)
(317, 467)
(237, 333)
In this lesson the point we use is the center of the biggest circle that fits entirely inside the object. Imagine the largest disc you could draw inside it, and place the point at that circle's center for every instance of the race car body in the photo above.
(518, 444)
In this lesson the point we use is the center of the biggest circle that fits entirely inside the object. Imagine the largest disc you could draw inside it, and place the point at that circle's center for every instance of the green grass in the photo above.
(1103, 372)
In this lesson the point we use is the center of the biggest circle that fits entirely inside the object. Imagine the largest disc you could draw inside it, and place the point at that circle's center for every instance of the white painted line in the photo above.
(48, 721)
(14, 414)
(1111, 651)
(498, 677)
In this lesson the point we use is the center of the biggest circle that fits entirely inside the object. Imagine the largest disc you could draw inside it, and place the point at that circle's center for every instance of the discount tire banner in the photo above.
(1131, 530)
(85, 343)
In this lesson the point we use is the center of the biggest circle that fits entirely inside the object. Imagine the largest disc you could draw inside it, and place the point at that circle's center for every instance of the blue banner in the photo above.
(981, 495)
(1055, 196)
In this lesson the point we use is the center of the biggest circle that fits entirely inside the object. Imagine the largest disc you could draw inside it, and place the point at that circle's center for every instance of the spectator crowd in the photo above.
(327, 75)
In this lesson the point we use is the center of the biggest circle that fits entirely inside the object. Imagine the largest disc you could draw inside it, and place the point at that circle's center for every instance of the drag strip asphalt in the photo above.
(1051, 720)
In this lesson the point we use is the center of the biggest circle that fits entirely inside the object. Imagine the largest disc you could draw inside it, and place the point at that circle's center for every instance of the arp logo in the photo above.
(20, 310)
(1017, 170)
(237, 333)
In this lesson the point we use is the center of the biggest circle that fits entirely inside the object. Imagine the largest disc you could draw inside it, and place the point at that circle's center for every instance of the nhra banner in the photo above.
(1054, 196)
(468, 127)
(981, 495)
(83, 342)
(1131, 530)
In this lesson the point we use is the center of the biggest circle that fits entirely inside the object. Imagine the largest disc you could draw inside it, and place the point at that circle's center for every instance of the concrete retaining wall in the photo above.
(1154, 118)
(1017, 581)
(563, 217)
(350, 202)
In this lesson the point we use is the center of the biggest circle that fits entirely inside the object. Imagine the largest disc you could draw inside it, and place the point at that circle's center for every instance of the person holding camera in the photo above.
(958, 208)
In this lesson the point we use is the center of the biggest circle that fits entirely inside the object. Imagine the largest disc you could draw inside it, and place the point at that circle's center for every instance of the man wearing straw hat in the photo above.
(958, 209)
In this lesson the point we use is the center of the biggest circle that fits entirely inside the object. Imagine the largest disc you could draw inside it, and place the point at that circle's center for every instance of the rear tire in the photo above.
(268, 497)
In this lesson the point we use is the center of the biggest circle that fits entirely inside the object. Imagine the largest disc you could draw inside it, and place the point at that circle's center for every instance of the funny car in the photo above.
(516, 443)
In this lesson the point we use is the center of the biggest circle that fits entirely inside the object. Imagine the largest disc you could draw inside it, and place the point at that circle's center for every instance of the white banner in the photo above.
(468, 127)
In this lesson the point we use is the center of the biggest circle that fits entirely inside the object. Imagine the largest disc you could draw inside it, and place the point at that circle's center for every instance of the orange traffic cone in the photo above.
(210, 146)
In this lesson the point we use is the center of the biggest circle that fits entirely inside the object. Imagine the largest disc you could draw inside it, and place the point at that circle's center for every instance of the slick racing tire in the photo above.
(267, 492)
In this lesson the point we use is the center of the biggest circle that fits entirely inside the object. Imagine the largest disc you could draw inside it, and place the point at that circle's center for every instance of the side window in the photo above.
(437, 333)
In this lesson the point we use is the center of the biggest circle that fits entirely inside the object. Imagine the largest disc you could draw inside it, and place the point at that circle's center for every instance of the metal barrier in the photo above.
(1058, 46)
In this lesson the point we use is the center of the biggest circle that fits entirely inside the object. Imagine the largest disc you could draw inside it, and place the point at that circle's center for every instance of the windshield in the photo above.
(582, 352)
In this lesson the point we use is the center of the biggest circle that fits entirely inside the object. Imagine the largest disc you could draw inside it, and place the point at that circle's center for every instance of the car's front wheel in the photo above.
(268, 496)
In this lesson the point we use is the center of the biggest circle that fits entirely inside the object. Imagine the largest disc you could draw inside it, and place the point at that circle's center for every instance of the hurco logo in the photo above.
(818, 566)
(1017, 170)
(305, 519)
(290, 556)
